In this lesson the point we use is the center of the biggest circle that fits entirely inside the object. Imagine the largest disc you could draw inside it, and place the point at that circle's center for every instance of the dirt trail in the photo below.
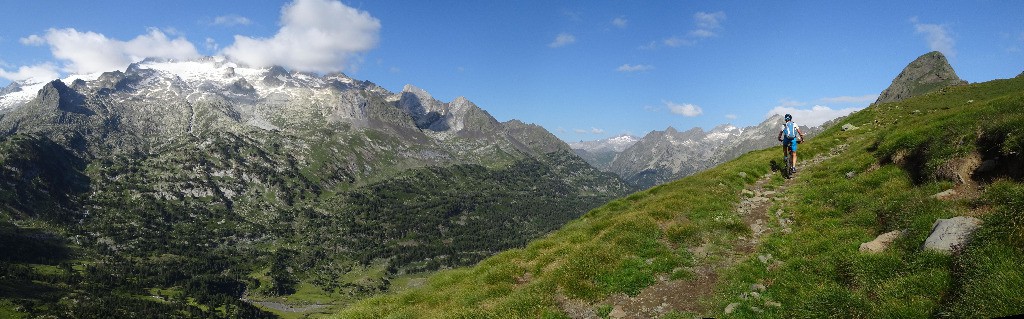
(687, 295)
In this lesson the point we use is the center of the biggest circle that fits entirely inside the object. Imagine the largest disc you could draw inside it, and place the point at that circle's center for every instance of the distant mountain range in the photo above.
(662, 156)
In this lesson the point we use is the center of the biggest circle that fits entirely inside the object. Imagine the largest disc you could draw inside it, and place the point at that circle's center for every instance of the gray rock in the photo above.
(731, 308)
(850, 174)
(946, 194)
(758, 287)
(882, 242)
(949, 234)
(849, 127)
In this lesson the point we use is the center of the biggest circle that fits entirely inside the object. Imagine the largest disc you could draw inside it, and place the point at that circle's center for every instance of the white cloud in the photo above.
(650, 46)
(231, 20)
(562, 39)
(620, 22)
(33, 40)
(315, 36)
(701, 33)
(814, 116)
(634, 68)
(850, 99)
(677, 42)
(707, 23)
(32, 74)
(730, 116)
(592, 130)
(686, 109)
(89, 52)
(707, 26)
(937, 36)
(211, 44)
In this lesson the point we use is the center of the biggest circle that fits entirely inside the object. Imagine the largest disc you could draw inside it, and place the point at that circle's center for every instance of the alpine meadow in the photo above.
(283, 168)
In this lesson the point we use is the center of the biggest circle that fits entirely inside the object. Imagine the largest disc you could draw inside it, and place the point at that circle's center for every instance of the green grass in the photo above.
(822, 273)
(902, 154)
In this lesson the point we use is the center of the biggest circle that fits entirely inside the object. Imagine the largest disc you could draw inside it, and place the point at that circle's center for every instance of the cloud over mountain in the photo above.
(315, 36)
(90, 52)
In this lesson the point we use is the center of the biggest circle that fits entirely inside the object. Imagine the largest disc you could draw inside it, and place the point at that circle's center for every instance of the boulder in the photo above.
(848, 127)
(946, 194)
(731, 307)
(882, 242)
(949, 234)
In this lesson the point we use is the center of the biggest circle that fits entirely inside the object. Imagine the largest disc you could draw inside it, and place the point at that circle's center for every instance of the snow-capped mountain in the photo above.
(615, 144)
(155, 101)
(662, 156)
(600, 153)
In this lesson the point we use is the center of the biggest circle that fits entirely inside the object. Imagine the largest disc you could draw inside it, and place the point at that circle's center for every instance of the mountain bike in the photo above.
(789, 169)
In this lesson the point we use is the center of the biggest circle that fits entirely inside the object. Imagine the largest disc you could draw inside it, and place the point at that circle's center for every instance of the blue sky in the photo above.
(582, 69)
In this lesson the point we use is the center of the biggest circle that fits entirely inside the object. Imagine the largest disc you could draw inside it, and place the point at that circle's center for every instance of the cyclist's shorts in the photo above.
(791, 143)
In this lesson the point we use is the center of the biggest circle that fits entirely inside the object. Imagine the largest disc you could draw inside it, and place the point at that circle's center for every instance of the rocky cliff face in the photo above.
(927, 73)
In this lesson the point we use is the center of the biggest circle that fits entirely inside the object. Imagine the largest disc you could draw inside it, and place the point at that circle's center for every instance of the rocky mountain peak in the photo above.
(58, 95)
(927, 73)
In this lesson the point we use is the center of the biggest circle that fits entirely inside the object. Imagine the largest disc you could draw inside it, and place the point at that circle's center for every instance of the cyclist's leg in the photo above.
(792, 156)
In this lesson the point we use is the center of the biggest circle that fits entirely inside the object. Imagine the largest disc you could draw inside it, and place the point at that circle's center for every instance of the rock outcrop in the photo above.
(882, 242)
(949, 234)
(927, 73)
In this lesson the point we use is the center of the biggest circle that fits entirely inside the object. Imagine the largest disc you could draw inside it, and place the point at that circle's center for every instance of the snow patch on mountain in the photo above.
(26, 91)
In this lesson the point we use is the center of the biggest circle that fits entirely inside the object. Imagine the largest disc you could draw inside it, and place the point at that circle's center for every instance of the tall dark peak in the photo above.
(927, 73)
(59, 96)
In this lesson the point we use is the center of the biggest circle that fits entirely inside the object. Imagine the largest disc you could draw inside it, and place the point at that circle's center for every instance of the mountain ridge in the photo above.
(264, 184)
(797, 246)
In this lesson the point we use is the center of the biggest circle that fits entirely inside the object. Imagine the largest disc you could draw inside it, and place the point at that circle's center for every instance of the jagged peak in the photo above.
(929, 72)
(418, 92)
(461, 100)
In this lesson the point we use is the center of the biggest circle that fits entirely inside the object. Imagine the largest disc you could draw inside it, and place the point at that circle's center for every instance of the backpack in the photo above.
(789, 131)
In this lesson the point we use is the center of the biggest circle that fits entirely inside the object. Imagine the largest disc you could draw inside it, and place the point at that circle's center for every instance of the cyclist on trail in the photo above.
(790, 135)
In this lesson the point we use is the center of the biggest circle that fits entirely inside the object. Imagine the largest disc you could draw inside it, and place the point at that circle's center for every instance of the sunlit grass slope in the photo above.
(903, 153)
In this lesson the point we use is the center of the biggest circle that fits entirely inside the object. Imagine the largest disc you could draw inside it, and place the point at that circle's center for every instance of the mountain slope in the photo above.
(216, 187)
(869, 181)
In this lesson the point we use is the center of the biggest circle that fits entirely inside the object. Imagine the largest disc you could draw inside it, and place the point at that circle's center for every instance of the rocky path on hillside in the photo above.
(687, 296)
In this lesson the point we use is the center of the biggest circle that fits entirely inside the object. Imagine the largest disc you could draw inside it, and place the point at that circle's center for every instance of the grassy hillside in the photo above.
(795, 254)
